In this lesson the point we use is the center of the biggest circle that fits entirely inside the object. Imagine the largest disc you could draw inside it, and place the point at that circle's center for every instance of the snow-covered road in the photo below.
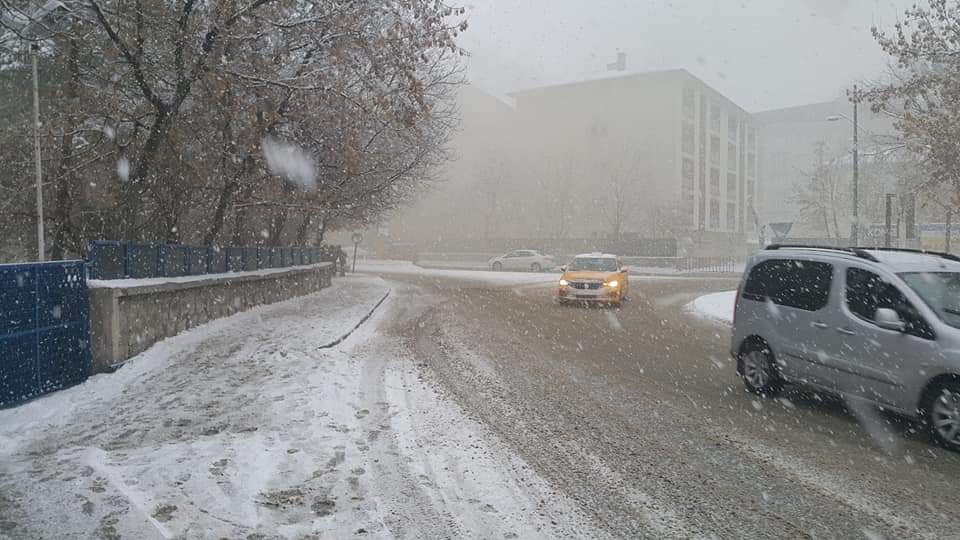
(244, 428)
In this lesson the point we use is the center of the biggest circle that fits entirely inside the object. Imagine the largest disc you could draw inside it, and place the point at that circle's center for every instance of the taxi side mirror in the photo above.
(563, 268)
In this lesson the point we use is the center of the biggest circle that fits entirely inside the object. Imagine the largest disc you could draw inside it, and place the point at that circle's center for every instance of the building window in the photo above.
(752, 165)
(732, 126)
(688, 141)
(715, 154)
(715, 182)
(714, 214)
(731, 217)
(751, 138)
(731, 157)
(689, 103)
(687, 173)
(716, 116)
(731, 187)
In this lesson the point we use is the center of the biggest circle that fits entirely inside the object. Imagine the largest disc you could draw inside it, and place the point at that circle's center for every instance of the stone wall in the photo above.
(128, 316)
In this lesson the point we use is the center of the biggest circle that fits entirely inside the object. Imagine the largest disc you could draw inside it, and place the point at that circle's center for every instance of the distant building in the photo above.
(788, 158)
(465, 200)
(691, 152)
(642, 155)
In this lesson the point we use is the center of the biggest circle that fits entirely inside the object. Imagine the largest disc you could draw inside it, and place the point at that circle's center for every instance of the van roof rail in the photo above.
(855, 251)
(942, 254)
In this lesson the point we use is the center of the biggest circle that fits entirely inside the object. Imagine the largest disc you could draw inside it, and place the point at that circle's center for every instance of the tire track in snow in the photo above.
(97, 459)
(830, 485)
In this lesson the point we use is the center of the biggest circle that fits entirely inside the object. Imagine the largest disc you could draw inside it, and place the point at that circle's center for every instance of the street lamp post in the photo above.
(41, 248)
(854, 227)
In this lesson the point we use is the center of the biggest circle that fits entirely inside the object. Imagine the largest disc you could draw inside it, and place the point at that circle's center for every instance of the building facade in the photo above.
(795, 141)
(691, 152)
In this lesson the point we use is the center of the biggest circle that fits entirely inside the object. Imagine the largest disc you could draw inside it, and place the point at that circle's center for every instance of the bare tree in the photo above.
(620, 195)
(820, 196)
(159, 134)
(923, 93)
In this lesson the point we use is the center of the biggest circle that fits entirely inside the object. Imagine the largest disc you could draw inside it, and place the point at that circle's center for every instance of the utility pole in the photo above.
(888, 220)
(855, 229)
(41, 248)
(947, 231)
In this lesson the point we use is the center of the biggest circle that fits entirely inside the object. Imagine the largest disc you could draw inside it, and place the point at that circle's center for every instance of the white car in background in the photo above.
(522, 259)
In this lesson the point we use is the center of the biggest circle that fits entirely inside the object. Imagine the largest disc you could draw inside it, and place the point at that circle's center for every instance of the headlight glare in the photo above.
(612, 283)
(564, 283)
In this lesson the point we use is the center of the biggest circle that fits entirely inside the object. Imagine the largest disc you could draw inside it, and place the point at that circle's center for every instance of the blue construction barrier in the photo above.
(44, 328)
(120, 260)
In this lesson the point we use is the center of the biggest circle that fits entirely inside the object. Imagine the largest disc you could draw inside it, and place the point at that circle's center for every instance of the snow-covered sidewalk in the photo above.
(244, 428)
(717, 307)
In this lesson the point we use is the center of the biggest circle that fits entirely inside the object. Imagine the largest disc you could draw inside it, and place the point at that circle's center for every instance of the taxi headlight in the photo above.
(612, 284)
(564, 283)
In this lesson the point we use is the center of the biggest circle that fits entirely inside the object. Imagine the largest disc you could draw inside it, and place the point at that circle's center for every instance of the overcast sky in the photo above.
(762, 54)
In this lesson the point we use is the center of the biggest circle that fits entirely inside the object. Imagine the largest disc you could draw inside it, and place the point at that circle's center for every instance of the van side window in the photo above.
(792, 283)
(866, 292)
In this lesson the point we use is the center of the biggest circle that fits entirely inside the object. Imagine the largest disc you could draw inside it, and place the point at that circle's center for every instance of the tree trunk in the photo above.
(63, 204)
(304, 227)
(277, 224)
(223, 202)
(836, 224)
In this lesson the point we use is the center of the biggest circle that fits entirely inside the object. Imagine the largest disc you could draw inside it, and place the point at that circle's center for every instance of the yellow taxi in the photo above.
(594, 277)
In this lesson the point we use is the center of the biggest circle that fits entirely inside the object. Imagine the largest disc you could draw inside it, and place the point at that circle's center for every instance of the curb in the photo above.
(365, 318)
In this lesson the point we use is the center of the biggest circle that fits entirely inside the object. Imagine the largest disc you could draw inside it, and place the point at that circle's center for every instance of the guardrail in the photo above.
(121, 260)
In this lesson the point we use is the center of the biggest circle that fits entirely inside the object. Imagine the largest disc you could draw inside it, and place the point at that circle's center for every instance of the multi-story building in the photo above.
(655, 155)
(793, 137)
(691, 151)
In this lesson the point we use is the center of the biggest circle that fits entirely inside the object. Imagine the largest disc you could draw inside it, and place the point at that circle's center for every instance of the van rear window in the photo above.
(790, 282)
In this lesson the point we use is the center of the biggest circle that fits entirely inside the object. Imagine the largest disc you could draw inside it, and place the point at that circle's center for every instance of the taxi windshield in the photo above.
(593, 264)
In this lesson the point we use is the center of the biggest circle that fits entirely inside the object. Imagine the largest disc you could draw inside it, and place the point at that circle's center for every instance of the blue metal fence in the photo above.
(118, 260)
(44, 328)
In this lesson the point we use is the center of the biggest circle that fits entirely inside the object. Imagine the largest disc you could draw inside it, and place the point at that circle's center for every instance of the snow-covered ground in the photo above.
(244, 428)
(715, 306)
(488, 277)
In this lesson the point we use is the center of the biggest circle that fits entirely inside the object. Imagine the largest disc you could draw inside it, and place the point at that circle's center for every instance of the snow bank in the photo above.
(124, 283)
(715, 306)
(484, 276)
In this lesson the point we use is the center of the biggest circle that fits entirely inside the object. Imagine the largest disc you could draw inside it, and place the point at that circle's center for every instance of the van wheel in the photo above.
(941, 414)
(758, 370)
(535, 267)
(497, 267)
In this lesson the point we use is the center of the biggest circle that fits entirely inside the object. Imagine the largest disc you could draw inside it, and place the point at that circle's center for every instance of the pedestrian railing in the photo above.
(44, 328)
(119, 260)
(710, 264)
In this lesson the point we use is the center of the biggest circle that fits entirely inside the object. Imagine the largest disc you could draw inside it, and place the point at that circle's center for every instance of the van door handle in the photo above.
(819, 325)
(846, 332)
